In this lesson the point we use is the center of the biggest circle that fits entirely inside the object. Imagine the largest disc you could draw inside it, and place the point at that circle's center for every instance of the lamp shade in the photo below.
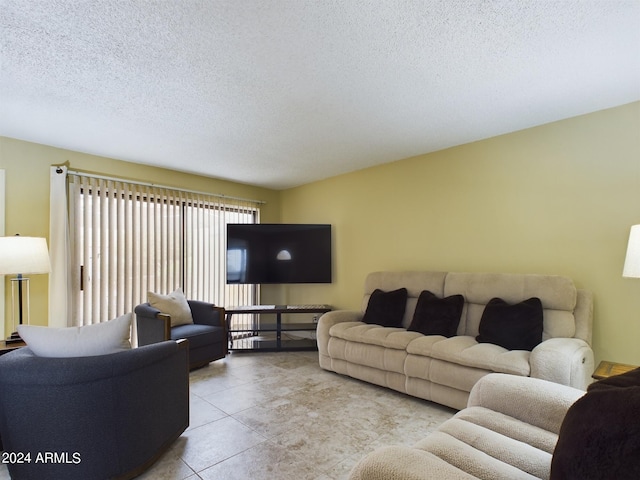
(23, 255)
(632, 260)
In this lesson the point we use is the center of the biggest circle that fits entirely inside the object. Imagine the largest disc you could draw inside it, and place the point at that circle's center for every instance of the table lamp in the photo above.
(632, 260)
(22, 256)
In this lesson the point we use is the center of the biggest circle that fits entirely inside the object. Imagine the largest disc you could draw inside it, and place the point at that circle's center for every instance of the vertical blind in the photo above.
(130, 238)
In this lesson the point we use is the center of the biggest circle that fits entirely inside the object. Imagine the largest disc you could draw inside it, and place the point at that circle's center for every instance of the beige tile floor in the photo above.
(280, 416)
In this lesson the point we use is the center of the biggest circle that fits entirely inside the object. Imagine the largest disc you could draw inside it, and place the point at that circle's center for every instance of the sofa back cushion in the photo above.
(557, 294)
(414, 282)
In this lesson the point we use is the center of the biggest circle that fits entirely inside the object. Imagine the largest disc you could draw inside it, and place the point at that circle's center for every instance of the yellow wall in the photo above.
(556, 199)
(27, 167)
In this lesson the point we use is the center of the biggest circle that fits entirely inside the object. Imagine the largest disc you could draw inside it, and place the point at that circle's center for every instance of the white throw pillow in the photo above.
(87, 341)
(175, 305)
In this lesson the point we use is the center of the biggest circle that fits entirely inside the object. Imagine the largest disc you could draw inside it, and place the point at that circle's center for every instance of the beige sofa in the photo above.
(508, 431)
(443, 369)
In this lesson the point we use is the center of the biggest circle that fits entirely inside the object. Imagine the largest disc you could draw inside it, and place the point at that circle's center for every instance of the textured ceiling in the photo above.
(279, 93)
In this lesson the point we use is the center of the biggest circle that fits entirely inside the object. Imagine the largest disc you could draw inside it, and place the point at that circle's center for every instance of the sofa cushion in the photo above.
(386, 308)
(199, 335)
(555, 292)
(600, 435)
(437, 316)
(358, 332)
(464, 350)
(514, 327)
(373, 363)
(86, 341)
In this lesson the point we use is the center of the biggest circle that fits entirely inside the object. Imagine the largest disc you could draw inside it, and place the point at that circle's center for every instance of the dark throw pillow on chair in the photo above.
(600, 435)
(386, 308)
(514, 327)
(437, 316)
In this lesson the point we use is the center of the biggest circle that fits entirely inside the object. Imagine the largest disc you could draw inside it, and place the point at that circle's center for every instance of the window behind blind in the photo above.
(128, 239)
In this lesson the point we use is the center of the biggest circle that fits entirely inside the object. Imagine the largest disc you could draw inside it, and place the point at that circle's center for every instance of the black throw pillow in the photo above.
(514, 327)
(437, 316)
(600, 435)
(386, 308)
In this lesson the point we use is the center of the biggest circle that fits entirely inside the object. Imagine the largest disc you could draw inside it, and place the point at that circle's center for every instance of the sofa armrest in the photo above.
(531, 400)
(568, 361)
(152, 325)
(328, 320)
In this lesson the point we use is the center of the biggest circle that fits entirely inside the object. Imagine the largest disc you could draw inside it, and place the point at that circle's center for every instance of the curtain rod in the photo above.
(155, 185)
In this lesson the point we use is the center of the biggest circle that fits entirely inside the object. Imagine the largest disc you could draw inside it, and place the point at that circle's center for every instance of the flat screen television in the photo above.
(269, 253)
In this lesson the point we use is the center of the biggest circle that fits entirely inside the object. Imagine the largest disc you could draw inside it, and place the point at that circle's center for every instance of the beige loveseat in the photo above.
(444, 370)
(508, 431)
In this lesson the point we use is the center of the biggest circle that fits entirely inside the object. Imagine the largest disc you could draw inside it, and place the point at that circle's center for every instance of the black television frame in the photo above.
(279, 253)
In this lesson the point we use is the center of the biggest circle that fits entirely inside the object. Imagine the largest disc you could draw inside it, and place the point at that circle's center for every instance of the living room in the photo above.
(540, 200)
(557, 198)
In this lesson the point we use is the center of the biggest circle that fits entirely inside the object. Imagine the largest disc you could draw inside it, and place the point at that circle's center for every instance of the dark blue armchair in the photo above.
(207, 335)
(92, 418)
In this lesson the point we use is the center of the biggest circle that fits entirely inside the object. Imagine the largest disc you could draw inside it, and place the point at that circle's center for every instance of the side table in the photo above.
(609, 369)
(8, 347)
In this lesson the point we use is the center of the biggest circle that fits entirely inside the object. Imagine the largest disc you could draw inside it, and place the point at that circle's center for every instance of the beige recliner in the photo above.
(508, 431)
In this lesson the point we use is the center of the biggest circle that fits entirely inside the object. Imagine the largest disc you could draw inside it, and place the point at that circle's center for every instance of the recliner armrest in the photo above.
(531, 400)
(568, 361)
(328, 320)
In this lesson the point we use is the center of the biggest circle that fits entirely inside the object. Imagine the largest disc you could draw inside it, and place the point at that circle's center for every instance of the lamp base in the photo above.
(14, 338)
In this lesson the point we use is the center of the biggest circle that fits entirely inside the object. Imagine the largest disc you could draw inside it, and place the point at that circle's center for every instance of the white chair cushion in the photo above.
(86, 341)
(175, 305)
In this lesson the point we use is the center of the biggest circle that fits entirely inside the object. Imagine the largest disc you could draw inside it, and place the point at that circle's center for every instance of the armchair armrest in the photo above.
(531, 400)
(205, 313)
(328, 320)
(55, 372)
(568, 361)
(153, 326)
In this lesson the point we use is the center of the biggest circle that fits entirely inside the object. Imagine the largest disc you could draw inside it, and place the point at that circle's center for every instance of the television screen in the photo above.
(278, 253)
